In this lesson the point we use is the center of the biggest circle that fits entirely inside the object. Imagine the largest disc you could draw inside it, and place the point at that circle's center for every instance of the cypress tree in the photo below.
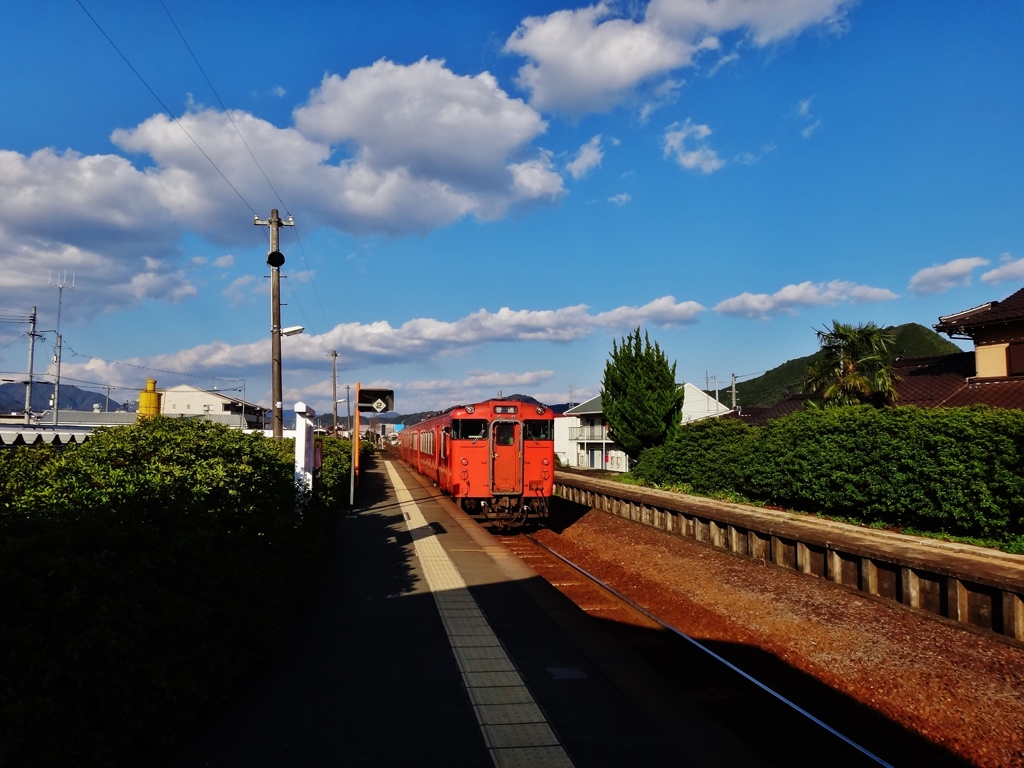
(640, 398)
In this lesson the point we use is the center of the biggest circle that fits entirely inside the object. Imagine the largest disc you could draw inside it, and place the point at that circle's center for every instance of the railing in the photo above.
(589, 433)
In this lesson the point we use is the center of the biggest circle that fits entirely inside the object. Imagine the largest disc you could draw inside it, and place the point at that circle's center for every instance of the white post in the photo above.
(304, 444)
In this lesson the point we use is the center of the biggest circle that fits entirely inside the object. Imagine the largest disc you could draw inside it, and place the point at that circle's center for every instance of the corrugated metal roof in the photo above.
(33, 435)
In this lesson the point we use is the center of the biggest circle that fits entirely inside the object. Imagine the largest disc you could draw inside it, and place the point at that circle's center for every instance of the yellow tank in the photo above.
(149, 399)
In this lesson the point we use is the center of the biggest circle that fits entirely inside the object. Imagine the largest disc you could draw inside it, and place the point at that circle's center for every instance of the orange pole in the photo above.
(355, 437)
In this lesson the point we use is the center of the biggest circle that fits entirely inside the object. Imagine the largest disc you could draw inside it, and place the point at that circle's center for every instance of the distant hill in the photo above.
(72, 398)
(912, 340)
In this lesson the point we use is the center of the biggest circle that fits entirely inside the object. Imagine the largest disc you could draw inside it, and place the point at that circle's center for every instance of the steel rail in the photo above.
(640, 609)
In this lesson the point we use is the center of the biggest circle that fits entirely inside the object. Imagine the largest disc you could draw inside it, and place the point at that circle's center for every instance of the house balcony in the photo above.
(581, 434)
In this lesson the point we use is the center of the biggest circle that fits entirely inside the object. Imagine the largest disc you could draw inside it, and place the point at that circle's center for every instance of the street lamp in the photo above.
(292, 330)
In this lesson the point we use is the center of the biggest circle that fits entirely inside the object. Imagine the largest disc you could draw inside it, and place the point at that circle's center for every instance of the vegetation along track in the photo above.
(800, 725)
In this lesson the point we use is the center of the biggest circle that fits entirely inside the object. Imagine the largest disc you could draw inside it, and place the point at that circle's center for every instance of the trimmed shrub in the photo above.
(141, 574)
(958, 471)
(708, 455)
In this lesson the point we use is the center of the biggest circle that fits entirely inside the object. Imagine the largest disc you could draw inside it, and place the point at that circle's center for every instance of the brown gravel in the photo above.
(957, 688)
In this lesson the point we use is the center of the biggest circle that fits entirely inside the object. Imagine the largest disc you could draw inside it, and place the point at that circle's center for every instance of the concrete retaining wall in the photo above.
(977, 587)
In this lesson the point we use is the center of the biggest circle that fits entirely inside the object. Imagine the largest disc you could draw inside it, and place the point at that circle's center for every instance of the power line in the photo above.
(312, 280)
(165, 107)
(222, 106)
(150, 368)
(234, 125)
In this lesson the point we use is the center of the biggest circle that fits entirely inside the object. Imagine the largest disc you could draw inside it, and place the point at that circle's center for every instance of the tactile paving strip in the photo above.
(515, 730)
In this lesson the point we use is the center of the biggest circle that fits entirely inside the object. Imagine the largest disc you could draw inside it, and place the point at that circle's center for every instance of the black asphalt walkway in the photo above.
(369, 677)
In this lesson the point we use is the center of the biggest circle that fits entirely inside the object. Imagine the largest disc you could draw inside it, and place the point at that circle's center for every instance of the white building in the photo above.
(186, 400)
(581, 435)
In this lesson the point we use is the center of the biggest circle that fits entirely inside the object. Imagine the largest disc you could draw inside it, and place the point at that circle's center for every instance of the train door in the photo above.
(506, 458)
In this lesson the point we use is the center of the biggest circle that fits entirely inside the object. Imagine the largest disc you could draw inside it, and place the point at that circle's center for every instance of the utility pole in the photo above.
(31, 357)
(734, 391)
(275, 259)
(334, 388)
(355, 449)
(62, 281)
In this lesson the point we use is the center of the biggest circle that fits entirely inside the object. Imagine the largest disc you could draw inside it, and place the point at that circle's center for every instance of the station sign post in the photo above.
(367, 401)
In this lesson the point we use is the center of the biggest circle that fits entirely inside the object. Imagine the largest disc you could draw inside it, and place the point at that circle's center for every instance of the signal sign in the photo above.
(378, 400)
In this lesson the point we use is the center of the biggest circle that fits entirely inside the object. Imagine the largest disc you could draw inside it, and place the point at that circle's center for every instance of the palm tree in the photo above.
(855, 368)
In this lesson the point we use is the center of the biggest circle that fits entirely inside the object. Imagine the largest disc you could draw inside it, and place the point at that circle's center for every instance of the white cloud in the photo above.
(495, 379)
(592, 58)
(227, 260)
(809, 130)
(588, 158)
(687, 145)
(812, 123)
(239, 289)
(663, 311)
(390, 149)
(722, 62)
(586, 60)
(620, 199)
(415, 340)
(1010, 270)
(807, 294)
(941, 277)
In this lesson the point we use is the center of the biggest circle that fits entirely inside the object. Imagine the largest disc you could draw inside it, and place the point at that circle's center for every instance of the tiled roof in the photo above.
(1008, 310)
(929, 382)
(948, 381)
(757, 416)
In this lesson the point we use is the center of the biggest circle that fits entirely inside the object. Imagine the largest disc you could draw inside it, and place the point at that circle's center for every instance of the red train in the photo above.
(495, 457)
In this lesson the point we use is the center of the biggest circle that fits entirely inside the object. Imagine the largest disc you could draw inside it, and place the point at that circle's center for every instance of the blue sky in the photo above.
(486, 197)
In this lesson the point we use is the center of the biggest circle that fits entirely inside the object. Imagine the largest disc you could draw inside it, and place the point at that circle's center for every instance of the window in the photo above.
(1015, 359)
(469, 429)
(504, 433)
(537, 429)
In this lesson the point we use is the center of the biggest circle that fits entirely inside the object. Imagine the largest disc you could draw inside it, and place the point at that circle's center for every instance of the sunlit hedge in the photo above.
(141, 574)
(958, 471)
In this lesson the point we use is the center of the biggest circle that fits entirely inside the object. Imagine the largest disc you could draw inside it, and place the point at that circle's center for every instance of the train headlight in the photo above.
(470, 409)
(545, 462)
(541, 410)
(464, 475)
(465, 462)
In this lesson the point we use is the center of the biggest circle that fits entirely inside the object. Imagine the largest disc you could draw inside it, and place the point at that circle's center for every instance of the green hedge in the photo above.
(141, 575)
(958, 471)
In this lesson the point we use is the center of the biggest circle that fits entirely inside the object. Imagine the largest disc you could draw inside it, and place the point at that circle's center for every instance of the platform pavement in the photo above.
(372, 674)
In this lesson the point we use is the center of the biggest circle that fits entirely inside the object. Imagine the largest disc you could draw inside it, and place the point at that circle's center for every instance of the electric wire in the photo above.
(165, 107)
(223, 107)
(74, 353)
(284, 205)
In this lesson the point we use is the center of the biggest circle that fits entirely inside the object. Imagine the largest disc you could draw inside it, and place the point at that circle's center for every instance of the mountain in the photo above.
(911, 340)
(72, 398)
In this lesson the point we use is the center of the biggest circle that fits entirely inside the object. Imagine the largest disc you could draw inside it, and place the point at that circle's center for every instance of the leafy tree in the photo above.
(856, 368)
(639, 394)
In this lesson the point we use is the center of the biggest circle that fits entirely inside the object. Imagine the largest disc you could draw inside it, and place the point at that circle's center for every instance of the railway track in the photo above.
(781, 731)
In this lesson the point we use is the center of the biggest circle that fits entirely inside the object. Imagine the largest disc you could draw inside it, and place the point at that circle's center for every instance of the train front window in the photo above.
(504, 433)
(469, 429)
(536, 429)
